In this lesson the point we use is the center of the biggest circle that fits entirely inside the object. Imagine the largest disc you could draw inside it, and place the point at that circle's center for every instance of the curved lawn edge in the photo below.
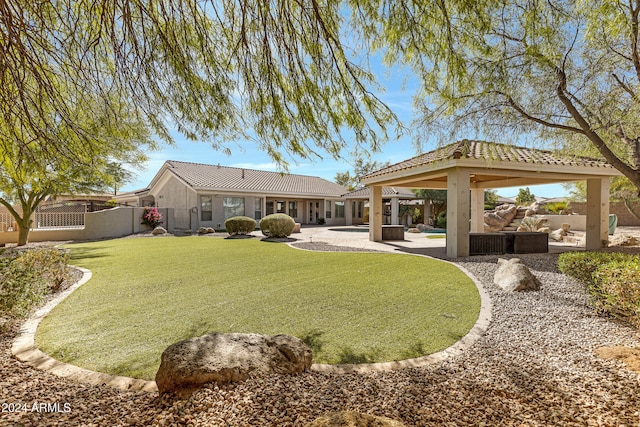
(25, 350)
(474, 334)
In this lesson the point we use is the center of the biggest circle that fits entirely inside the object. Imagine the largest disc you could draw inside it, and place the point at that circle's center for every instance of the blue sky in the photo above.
(398, 95)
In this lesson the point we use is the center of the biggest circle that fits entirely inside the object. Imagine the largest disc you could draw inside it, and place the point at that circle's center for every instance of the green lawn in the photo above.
(147, 293)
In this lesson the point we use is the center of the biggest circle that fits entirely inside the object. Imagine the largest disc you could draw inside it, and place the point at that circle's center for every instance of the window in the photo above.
(281, 207)
(233, 206)
(270, 207)
(327, 213)
(258, 208)
(293, 209)
(339, 209)
(205, 208)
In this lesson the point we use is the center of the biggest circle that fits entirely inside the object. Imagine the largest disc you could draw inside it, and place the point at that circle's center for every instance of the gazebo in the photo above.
(466, 168)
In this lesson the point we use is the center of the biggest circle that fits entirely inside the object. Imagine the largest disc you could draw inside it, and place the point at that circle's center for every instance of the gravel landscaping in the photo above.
(535, 366)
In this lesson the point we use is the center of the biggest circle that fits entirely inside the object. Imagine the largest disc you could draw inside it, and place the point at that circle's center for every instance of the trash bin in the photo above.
(613, 222)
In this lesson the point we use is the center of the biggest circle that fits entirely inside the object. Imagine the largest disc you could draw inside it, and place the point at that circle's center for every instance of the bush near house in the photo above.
(26, 278)
(151, 217)
(612, 278)
(240, 225)
(277, 225)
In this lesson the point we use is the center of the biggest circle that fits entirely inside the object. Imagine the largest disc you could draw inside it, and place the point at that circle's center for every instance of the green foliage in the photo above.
(26, 277)
(566, 72)
(525, 197)
(441, 220)
(321, 221)
(277, 225)
(618, 283)
(240, 225)
(557, 207)
(490, 199)
(612, 278)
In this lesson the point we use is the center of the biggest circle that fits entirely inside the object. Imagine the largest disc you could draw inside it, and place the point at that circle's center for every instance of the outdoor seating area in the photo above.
(508, 242)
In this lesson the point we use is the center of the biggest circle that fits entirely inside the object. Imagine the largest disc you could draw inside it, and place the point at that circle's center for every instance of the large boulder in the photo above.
(512, 276)
(224, 358)
(502, 217)
(353, 419)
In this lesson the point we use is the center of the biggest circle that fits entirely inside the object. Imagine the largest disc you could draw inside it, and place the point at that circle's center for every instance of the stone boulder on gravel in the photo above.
(512, 276)
(353, 419)
(223, 358)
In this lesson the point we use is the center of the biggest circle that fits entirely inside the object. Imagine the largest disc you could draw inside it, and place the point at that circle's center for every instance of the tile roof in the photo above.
(489, 151)
(211, 177)
(364, 193)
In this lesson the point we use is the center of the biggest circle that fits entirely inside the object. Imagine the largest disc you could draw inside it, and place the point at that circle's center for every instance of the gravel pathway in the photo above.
(535, 366)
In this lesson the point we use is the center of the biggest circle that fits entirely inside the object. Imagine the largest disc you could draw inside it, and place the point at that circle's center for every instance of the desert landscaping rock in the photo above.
(512, 275)
(623, 240)
(159, 230)
(224, 358)
(496, 221)
(354, 419)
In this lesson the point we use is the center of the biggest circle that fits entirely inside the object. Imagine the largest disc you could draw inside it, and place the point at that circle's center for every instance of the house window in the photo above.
(270, 207)
(281, 207)
(233, 206)
(339, 209)
(327, 213)
(258, 208)
(293, 209)
(205, 208)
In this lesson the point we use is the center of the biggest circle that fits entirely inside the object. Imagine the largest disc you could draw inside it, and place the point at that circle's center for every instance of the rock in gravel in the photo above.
(512, 275)
(224, 358)
(159, 230)
(353, 419)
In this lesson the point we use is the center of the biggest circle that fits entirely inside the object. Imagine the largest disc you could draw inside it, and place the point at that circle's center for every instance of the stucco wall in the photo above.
(110, 223)
(576, 222)
(618, 208)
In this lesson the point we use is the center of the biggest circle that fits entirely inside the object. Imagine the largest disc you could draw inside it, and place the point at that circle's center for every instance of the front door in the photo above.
(313, 212)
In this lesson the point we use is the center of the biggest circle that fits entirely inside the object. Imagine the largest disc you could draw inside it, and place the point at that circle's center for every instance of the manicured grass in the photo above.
(148, 293)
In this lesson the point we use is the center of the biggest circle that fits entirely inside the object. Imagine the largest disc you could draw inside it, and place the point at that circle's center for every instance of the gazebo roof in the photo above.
(493, 165)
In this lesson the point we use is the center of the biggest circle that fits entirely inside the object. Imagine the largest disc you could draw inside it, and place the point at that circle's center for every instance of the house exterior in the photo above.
(206, 195)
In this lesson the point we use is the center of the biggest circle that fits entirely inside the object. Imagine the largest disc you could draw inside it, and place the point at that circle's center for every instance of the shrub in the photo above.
(612, 278)
(151, 217)
(28, 276)
(240, 225)
(533, 223)
(441, 220)
(277, 225)
(618, 284)
(557, 207)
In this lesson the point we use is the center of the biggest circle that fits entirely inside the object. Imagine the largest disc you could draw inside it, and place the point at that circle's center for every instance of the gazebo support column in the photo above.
(477, 210)
(597, 213)
(395, 210)
(458, 213)
(375, 213)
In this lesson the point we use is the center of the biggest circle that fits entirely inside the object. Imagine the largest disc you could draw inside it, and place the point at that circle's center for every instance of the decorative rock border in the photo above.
(25, 350)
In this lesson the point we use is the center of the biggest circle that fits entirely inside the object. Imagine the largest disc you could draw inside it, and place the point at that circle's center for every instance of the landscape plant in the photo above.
(151, 217)
(239, 225)
(277, 225)
(612, 278)
(26, 277)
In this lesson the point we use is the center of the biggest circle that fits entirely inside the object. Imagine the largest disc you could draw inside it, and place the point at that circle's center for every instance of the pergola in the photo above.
(466, 168)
